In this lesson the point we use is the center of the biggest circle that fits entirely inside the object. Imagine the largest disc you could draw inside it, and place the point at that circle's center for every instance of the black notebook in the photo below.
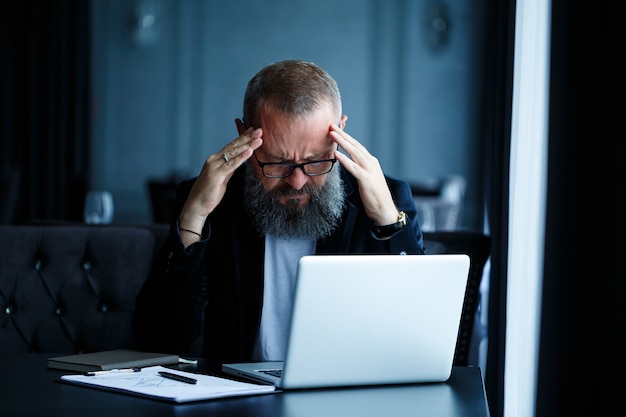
(111, 359)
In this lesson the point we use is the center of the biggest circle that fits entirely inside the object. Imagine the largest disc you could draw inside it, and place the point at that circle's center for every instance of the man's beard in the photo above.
(314, 220)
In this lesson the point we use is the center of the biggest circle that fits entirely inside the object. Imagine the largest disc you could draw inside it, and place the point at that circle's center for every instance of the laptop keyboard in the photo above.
(278, 373)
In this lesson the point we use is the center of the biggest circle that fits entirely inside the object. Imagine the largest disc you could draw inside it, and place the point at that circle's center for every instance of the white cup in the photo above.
(98, 207)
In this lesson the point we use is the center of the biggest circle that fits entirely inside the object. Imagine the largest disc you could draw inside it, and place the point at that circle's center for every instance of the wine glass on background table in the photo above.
(98, 207)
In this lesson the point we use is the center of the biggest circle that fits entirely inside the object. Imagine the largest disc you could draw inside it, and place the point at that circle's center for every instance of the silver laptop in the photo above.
(369, 320)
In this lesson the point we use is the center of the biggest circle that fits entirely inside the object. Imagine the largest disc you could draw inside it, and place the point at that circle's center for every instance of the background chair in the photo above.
(478, 247)
(440, 202)
(162, 193)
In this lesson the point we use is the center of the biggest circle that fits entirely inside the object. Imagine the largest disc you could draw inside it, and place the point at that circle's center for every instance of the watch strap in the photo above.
(390, 229)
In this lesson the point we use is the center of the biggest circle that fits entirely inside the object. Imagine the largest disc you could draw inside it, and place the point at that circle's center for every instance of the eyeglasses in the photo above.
(283, 170)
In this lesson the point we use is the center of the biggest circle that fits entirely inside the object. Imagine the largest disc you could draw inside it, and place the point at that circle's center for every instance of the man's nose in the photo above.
(297, 179)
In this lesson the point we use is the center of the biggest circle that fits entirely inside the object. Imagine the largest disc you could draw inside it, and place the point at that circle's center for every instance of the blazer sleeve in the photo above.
(169, 307)
(410, 239)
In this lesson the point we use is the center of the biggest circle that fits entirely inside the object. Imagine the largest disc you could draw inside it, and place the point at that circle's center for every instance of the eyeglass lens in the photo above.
(310, 168)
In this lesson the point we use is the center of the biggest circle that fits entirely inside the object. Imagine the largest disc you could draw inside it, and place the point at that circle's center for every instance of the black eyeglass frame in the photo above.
(332, 161)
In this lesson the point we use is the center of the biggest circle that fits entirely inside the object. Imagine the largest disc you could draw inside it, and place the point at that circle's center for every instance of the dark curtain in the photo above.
(583, 314)
(497, 131)
(44, 105)
(582, 352)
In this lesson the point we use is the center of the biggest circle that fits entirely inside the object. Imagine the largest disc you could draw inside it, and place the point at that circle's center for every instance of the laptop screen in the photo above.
(374, 319)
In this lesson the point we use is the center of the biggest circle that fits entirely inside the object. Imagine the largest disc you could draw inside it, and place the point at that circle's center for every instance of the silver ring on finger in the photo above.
(225, 157)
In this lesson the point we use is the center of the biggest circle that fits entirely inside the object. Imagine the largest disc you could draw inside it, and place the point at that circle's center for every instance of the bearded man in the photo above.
(293, 183)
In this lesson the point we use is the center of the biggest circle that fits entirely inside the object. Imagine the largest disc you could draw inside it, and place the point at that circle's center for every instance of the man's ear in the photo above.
(241, 126)
(342, 122)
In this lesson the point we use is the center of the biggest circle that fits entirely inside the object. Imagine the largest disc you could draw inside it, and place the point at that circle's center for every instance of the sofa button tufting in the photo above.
(49, 283)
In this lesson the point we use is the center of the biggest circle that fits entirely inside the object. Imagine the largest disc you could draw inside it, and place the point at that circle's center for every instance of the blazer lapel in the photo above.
(339, 240)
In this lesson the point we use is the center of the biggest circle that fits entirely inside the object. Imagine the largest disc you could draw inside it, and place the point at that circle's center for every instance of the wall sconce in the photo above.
(145, 22)
(437, 26)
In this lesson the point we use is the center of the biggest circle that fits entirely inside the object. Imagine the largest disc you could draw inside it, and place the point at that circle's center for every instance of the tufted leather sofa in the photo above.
(71, 288)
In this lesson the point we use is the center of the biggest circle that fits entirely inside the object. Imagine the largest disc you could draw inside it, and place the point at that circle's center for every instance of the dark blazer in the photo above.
(214, 288)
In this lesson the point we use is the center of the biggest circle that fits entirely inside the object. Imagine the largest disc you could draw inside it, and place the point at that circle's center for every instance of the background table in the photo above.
(28, 388)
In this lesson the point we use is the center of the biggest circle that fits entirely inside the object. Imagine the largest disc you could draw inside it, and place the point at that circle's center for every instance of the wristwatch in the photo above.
(390, 229)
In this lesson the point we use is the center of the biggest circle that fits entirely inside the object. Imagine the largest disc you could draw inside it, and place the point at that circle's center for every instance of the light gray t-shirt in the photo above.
(281, 263)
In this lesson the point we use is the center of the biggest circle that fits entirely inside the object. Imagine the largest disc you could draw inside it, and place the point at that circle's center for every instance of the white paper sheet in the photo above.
(148, 383)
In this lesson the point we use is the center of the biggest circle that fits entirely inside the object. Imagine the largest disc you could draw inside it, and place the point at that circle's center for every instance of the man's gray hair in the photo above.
(293, 88)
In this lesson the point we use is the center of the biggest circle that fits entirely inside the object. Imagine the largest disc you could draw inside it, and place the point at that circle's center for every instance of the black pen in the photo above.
(177, 377)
